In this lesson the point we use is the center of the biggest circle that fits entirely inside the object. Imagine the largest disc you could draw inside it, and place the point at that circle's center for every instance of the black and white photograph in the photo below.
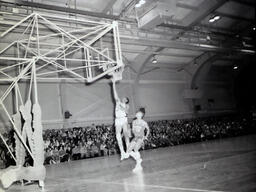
(127, 96)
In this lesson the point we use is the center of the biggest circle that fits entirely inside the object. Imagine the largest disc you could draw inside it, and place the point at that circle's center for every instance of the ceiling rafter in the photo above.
(243, 2)
(231, 16)
(61, 9)
(109, 6)
(191, 20)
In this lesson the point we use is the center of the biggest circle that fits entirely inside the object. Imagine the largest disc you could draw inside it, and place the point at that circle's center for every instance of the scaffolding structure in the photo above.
(42, 50)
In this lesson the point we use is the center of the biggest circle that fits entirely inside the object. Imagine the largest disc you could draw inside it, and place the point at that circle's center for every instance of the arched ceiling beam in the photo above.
(206, 7)
(197, 65)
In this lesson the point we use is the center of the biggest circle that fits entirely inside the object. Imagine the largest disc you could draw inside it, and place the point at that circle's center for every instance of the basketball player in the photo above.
(121, 121)
(138, 129)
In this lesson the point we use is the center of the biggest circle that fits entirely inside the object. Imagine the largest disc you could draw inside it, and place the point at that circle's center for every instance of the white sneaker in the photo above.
(124, 156)
(139, 161)
(137, 168)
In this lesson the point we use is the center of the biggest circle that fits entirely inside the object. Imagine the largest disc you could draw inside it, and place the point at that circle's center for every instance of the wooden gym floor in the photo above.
(219, 165)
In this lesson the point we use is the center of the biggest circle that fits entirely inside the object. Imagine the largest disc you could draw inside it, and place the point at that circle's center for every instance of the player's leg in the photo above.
(118, 125)
(136, 155)
(131, 146)
(126, 135)
(134, 148)
(129, 150)
(137, 148)
(119, 139)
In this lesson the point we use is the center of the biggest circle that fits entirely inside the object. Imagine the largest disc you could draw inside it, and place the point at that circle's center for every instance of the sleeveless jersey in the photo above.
(138, 127)
(120, 110)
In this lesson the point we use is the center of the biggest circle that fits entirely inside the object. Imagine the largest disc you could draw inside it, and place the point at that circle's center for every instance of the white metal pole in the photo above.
(29, 39)
(10, 151)
(37, 35)
(35, 82)
(17, 24)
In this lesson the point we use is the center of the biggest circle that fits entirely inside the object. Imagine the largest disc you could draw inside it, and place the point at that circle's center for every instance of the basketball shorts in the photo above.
(121, 121)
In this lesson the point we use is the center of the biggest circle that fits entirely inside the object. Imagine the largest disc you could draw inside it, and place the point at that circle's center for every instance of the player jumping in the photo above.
(121, 121)
(138, 129)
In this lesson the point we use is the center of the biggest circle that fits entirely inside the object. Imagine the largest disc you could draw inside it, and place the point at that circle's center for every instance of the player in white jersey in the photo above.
(138, 129)
(121, 121)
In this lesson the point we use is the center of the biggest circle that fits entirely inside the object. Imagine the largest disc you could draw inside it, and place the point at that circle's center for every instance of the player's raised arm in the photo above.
(114, 90)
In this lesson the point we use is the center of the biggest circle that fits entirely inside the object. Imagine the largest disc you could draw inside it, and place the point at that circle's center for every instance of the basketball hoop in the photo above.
(117, 74)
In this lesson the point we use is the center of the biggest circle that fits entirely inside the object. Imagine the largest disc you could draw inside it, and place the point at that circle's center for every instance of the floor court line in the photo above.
(152, 186)
(113, 178)
(208, 162)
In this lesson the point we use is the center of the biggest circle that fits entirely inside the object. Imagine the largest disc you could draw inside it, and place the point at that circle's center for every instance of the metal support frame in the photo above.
(70, 44)
(33, 62)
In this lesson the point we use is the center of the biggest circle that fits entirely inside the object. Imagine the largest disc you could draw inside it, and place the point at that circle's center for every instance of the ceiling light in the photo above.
(138, 5)
(211, 20)
(154, 60)
(235, 67)
(214, 18)
(141, 2)
(253, 28)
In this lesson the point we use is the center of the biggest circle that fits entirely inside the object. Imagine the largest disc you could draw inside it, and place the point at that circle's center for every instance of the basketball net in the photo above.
(117, 74)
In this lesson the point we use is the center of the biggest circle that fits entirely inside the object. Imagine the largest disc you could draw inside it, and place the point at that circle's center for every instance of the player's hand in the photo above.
(113, 79)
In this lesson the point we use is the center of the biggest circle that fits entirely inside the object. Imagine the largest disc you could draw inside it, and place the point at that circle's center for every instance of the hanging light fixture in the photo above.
(235, 67)
(214, 18)
(154, 60)
(140, 3)
(208, 38)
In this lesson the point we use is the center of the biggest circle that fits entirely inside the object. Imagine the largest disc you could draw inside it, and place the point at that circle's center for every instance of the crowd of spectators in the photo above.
(175, 132)
(79, 143)
(5, 156)
(99, 140)
(86, 142)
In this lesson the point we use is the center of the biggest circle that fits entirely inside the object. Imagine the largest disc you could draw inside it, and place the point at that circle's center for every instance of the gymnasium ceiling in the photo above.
(174, 32)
